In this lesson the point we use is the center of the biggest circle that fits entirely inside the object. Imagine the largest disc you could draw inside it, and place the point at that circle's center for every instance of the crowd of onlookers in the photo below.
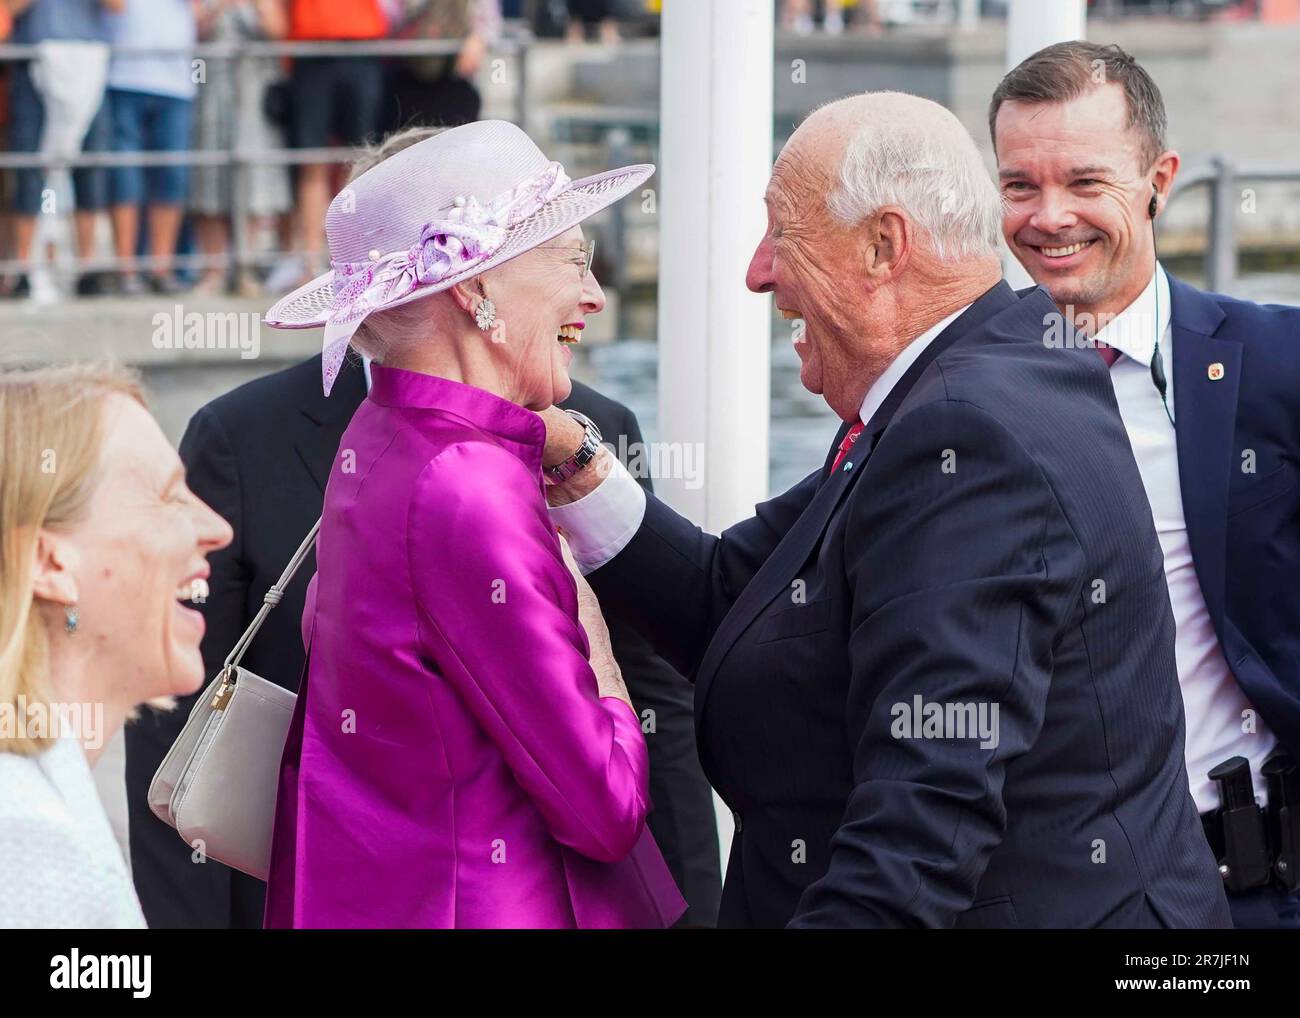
(122, 76)
(873, 17)
(801, 15)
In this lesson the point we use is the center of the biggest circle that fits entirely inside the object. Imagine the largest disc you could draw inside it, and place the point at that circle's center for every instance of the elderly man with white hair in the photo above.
(934, 680)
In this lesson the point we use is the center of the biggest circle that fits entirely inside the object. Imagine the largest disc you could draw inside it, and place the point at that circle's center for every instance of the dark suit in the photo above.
(260, 456)
(1238, 439)
(1238, 461)
(954, 557)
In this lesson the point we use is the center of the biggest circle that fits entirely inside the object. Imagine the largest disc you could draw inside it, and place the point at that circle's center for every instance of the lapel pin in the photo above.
(848, 466)
(1215, 371)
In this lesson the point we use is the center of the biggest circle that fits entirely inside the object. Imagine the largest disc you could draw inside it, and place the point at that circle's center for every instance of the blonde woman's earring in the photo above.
(71, 618)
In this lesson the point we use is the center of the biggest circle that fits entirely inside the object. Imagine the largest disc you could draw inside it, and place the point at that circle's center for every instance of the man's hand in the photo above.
(609, 677)
(588, 605)
(571, 562)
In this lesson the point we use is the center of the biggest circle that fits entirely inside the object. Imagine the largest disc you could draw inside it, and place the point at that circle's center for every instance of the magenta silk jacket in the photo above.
(450, 762)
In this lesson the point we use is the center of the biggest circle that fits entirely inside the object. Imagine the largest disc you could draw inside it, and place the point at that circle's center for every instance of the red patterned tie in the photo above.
(1108, 354)
(849, 438)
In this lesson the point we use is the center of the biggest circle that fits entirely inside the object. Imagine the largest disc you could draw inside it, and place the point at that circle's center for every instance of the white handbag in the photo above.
(217, 783)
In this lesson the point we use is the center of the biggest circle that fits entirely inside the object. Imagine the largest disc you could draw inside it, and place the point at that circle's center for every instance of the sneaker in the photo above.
(211, 286)
(130, 285)
(248, 287)
(286, 274)
(166, 285)
(94, 284)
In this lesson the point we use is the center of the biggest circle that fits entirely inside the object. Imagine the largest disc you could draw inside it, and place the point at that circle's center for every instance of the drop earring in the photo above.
(71, 618)
(485, 315)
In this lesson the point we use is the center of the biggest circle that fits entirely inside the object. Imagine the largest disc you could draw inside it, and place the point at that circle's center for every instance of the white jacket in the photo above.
(60, 866)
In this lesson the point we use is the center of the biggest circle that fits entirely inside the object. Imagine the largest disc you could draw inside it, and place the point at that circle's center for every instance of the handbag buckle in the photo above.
(224, 691)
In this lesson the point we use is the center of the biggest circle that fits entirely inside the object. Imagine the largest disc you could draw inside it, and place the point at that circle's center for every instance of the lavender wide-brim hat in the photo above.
(434, 214)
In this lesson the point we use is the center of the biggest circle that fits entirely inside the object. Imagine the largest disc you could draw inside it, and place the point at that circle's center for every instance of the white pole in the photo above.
(968, 15)
(1031, 25)
(715, 157)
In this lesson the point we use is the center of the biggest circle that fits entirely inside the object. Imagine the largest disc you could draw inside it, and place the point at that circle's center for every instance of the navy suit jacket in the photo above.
(987, 543)
(1238, 465)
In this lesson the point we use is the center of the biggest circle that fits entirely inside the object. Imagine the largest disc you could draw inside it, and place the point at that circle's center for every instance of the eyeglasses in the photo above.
(587, 248)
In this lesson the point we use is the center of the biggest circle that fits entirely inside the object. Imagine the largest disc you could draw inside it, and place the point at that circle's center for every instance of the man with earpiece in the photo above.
(1208, 388)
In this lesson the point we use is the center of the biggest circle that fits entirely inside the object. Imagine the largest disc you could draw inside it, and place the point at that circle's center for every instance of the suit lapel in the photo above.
(318, 444)
(774, 576)
(1205, 413)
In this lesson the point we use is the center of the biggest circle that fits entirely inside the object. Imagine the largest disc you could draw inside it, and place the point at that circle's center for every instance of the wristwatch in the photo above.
(561, 472)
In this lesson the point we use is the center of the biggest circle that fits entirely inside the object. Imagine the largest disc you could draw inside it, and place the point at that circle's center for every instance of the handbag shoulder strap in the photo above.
(271, 599)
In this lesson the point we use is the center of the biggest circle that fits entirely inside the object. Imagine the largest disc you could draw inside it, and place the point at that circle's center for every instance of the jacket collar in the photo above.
(520, 430)
(995, 299)
(329, 416)
(338, 407)
(1193, 309)
(890, 377)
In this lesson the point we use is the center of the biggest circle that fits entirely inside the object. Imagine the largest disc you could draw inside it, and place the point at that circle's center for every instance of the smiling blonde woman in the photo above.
(98, 536)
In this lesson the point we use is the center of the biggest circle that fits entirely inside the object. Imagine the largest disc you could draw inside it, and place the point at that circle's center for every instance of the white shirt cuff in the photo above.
(601, 523)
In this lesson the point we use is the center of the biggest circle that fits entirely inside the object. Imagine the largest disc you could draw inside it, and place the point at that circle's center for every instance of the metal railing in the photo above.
(242, 158)
(1222, 177)
(1186, 9)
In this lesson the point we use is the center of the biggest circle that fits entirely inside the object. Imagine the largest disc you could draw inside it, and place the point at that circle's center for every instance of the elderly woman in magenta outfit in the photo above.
(463, 753)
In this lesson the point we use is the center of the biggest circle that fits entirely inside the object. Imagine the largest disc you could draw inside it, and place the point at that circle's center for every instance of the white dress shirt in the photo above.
(60, 864)
(1212, 700)
(601, 523)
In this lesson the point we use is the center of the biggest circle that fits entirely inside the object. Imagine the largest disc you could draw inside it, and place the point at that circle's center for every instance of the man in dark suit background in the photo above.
(1209, 391)
(935, 680)
(260, 456)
